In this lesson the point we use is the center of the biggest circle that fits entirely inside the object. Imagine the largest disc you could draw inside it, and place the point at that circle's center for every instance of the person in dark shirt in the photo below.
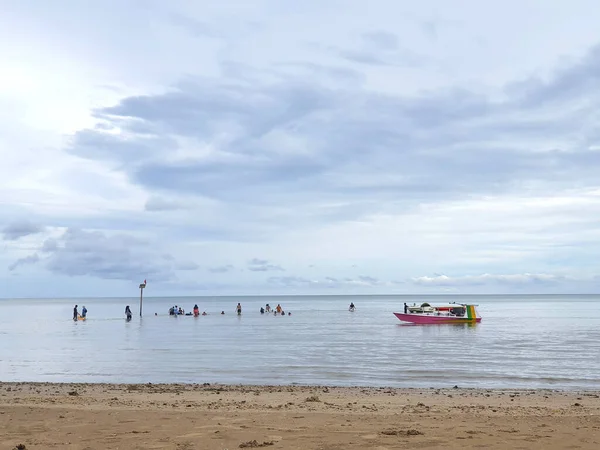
(75, 313)
(128, 312)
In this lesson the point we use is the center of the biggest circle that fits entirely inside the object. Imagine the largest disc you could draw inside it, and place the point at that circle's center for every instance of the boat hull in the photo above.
(431, 319)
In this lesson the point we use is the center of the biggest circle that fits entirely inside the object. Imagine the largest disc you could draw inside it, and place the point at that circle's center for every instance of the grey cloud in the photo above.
(221, 269)
(262, 265)
(575, 85)
(50, 245)
(20, 229)
(157, 204)
(335, 154)
(31, 259)
(119, 257)
(95, 254)
(212, 179)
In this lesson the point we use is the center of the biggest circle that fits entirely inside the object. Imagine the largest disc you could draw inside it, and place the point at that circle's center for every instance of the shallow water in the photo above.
(522, 342)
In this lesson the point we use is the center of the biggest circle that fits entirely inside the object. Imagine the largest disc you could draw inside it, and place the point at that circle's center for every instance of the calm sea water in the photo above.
(522, 342)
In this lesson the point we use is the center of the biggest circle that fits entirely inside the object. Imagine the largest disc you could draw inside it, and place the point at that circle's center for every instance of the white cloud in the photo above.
(486, 278)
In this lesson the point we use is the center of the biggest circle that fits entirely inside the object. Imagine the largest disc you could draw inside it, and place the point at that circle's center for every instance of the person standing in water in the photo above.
(75, 313)
(239, 309)
(351, 306)
(128, 312)
(83, 312)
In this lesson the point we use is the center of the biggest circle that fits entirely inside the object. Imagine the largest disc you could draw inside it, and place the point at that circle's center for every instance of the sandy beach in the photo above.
(100, 416)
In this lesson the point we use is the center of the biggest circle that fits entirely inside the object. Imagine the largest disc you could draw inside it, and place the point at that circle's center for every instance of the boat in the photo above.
(449, 313)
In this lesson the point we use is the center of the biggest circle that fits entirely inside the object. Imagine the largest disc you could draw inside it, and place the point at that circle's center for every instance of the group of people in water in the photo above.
(277, 311)
(77, 316)
(178, 310)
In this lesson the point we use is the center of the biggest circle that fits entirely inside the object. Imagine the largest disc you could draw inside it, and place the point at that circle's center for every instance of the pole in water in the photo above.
(142, 286)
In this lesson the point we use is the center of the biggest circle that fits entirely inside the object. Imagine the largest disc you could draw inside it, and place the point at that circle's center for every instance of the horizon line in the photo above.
(302, 295)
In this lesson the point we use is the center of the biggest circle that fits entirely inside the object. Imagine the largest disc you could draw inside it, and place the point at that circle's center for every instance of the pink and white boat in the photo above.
(450, 313)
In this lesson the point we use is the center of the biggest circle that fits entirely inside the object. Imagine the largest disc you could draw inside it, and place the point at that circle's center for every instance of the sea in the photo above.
(523, 342)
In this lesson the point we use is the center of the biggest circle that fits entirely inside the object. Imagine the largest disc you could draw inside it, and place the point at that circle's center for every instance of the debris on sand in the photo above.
(255, 444)
(20, 447)
(411, 432)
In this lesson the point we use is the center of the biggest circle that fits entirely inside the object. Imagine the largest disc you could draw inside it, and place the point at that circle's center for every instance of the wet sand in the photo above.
(183, 417)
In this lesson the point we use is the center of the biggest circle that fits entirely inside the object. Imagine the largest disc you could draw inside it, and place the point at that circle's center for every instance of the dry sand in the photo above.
(89, 416)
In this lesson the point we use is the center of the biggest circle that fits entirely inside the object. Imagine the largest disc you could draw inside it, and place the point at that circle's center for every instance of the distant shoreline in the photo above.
(185, 416)
(254, 296)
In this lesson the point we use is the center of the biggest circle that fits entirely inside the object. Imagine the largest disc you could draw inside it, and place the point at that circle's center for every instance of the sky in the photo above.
(319, 147)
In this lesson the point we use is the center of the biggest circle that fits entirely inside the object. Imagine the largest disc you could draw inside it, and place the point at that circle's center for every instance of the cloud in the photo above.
(262, 265)
(31, 259)
(380, 49)
(221, 269)
(112, 257)
(485, 279)
(328, 282)
(261, 143)
(157, 204)
(121, 257)
(20, 229)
